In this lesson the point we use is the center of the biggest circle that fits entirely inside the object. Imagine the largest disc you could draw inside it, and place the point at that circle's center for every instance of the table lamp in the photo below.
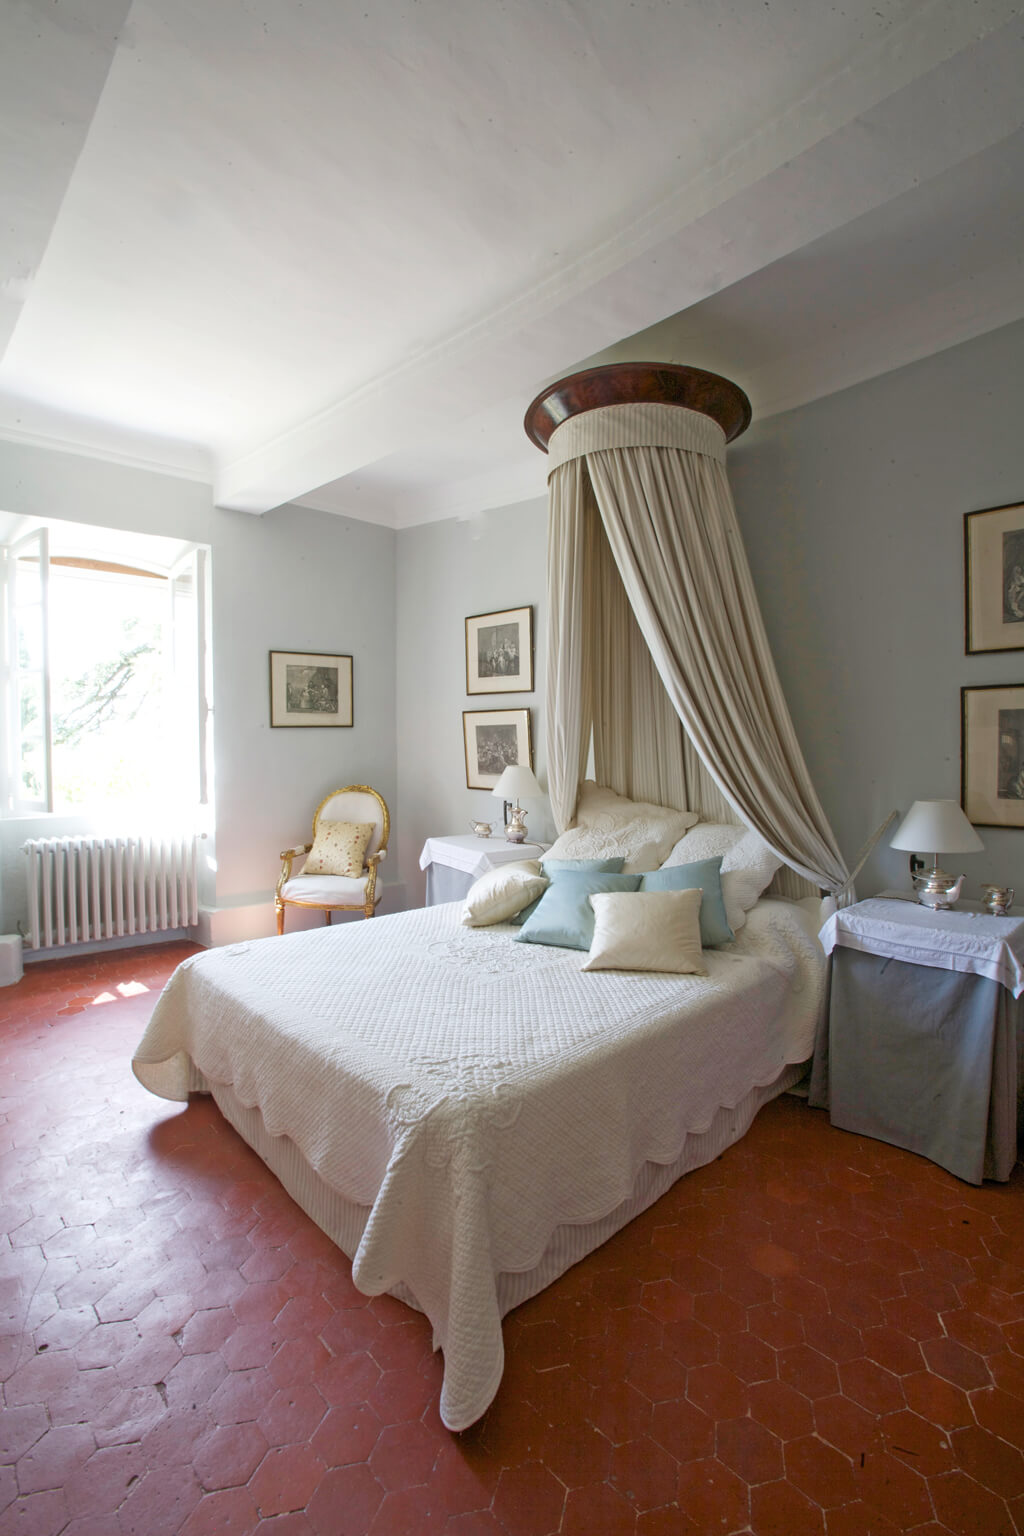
(515, 782)
(936, 826)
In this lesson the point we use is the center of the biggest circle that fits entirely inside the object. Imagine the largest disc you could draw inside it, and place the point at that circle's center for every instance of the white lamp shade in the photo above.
(936, 826)
(518, 783)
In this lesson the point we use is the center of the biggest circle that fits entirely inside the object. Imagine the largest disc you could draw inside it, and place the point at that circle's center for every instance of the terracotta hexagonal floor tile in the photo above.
(529, 1500)
(889, 1485)
(781, 1409)
(292, 1415)
(403, 1456)
(846, 1425)
(229, 1455)
(53, 1457)
(346, 1434)
(286, 1479)
(964, 1506)
(808, 1371)
(345, 1501)
(993, 1463)
(645, 1475)
(923, 1446)
(717, 1391)
(779, 1509)
(712, 1497)
(747, 1356)
(962, 1366)
(596, 1508)
(229, 1512)
(752, 1451)
(937, 1400)
(821, 1472)
(872, 1386)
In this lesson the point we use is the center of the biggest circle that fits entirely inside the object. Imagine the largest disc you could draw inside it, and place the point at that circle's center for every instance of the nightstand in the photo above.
(453, 863)
(924, 1031)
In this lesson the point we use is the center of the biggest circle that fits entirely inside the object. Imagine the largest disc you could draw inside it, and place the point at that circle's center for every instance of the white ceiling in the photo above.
(319, 251)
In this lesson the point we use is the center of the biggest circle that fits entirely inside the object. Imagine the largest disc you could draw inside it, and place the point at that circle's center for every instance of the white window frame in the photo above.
(194, 562)
(16, 802)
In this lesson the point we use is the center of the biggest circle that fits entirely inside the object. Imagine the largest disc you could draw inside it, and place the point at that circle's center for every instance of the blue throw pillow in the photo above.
(590, 866)
(563, 916)
(706, 875)
(554, 867)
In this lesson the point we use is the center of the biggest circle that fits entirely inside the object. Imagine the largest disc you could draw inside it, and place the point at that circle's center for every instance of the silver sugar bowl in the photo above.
(998, 899)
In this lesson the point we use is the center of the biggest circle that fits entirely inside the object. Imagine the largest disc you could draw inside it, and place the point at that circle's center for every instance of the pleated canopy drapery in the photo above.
(655, 632)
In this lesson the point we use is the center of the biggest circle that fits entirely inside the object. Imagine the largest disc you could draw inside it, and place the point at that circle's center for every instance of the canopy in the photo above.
(657, 656)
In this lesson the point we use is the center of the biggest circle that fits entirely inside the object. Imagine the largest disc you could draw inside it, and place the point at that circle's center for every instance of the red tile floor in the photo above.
(815, 1334)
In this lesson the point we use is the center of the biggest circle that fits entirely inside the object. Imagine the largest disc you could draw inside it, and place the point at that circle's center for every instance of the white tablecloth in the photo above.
(476, 855)
(959, 940)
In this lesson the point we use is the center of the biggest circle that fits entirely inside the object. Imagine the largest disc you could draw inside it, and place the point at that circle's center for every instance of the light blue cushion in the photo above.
(705, 875)
(590, 866)
(554, 867)
(563, 916)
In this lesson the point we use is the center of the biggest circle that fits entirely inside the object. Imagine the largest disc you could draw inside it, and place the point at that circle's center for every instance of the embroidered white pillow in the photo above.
(503, 892)
(747, 870)
(646, 931)
(707, 840)
(748, 864)
(338, 848)
(610, 826)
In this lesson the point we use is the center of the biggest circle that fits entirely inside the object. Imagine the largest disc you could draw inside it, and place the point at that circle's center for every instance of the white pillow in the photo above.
(747, 869)
(748, 864)
(708, 840)
(610, 826)
(503, 892)
(646, 931)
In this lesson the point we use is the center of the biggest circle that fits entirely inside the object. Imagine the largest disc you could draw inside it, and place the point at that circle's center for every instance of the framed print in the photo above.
(496, 739)
(992, 755)
(499, 652)
(994, 579)
(307, 689)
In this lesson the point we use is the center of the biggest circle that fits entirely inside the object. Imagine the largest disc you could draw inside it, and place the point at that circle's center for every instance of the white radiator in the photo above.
(81, 889)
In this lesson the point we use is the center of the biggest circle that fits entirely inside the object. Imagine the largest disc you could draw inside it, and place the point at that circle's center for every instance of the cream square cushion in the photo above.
(503, 892)
(646, 931)
(338, 848)
(608, 826)
(748, 864)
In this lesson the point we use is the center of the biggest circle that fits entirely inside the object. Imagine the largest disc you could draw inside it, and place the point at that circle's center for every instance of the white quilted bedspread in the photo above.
(475, 1093)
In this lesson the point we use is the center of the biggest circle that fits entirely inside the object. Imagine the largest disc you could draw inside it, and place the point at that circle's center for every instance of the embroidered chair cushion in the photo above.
(646, 931)
(338, 848)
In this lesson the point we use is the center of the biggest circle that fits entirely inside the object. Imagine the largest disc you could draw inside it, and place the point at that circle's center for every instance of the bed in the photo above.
(467, 1116)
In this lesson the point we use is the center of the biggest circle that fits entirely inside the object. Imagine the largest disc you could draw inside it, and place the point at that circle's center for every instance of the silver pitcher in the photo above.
(998, 899)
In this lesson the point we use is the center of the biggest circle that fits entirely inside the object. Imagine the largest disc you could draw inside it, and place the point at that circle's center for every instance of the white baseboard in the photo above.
(10, 959)
(234, 925)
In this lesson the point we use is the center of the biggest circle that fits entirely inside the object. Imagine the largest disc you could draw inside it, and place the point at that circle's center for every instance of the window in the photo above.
(106, 668)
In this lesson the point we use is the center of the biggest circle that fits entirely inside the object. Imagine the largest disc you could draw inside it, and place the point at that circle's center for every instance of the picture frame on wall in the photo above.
(992, 755)
(994, 579)
(499, 651)
(308, 688)
(495, 739)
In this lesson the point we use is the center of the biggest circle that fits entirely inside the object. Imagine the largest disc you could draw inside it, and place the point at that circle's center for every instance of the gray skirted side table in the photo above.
(924, 1041)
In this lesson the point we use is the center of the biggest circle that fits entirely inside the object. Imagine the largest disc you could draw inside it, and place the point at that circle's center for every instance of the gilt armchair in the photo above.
(339, 869)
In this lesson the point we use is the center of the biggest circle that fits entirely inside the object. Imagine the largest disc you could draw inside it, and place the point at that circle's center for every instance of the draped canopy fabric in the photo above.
(656, 634)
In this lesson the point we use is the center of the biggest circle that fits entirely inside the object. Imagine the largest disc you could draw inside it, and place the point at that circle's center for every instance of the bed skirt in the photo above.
(343, 1222)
